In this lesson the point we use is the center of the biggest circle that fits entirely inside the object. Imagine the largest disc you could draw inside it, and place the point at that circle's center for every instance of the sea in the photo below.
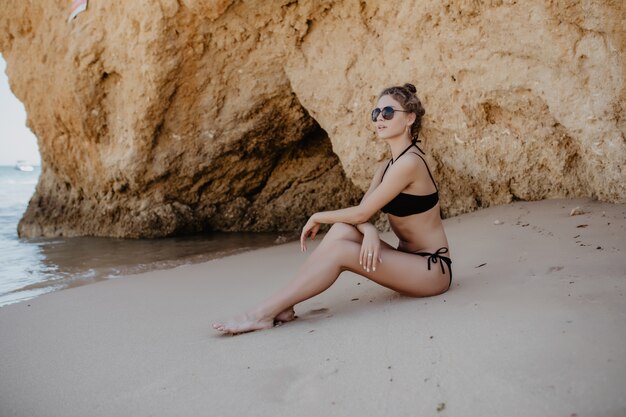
(32, 267)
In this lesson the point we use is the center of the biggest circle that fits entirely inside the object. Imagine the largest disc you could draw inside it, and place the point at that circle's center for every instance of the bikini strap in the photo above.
(437, 256)
(391, 161)
(415, 142)
(388, 163)
(428, 169)
(403, 152)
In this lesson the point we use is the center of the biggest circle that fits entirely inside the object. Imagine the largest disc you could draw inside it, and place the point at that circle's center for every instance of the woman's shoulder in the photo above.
(410, 161)
(416, 159)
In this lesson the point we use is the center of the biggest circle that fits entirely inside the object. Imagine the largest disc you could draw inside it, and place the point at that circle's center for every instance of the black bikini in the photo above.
(435, 257)
(405, 204)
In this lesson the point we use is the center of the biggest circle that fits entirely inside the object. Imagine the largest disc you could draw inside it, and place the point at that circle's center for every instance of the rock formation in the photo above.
(171, 117)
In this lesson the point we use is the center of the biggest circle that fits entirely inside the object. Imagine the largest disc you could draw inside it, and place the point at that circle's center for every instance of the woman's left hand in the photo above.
(310, 228)
(370, 250)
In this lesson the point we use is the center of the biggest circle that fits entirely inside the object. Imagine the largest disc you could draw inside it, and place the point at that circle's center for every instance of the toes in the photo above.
(285, 316)
(237, 327)
(229, 328)
(219, 327)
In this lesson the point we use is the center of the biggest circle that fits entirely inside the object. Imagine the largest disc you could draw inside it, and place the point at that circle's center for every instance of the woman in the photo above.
(404, 189)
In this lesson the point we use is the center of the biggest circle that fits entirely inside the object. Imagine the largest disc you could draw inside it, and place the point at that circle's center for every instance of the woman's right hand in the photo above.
(370, 250)
(310, 229)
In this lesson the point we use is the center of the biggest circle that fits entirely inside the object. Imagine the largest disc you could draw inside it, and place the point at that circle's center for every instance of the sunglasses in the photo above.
(387, 112)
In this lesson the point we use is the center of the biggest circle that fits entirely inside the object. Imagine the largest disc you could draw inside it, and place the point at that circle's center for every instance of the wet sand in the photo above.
(31, 267)
(532, 326)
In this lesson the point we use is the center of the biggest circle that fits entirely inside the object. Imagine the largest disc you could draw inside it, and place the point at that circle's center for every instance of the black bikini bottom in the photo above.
(435, 257)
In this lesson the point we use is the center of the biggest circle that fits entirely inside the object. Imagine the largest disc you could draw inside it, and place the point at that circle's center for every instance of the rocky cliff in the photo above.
(176, 116)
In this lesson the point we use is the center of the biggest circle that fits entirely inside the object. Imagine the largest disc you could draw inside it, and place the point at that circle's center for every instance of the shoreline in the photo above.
(532, 326)
(101, 258)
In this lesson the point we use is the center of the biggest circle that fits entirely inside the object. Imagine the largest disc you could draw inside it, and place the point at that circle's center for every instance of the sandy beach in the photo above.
(533, 325)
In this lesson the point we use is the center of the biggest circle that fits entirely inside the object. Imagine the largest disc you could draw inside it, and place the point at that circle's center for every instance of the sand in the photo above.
(534, 325)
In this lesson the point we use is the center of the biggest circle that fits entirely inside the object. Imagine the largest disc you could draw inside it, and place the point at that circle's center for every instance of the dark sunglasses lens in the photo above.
(388, 113)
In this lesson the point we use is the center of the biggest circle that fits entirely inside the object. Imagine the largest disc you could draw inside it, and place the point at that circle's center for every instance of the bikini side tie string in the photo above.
(435, 257)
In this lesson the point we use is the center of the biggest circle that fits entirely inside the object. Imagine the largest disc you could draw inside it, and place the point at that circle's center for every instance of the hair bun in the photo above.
(410, 87)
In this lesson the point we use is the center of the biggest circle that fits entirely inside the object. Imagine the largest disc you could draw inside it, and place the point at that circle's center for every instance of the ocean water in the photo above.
(31, 267)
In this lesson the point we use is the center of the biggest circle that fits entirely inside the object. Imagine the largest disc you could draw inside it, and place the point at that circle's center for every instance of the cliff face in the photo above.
(180, 116)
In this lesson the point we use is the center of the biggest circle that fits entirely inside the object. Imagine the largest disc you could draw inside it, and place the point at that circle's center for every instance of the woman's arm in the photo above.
(396, 180)
(367, 226)
(363, 226)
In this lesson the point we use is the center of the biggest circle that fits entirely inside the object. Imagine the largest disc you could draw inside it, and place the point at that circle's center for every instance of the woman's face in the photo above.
(395, 127)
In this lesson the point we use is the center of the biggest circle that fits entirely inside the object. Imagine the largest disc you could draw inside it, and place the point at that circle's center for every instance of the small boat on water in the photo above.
(24, 166)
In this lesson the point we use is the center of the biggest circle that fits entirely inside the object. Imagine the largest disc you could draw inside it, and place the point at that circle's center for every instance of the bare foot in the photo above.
(286, 315)
(245, 323)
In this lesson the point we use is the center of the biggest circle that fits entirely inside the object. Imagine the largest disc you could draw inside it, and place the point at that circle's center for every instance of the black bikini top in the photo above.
(405, 204)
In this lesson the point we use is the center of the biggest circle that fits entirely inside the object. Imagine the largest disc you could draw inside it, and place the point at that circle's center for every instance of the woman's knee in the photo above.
(343, 231)
(340, 251)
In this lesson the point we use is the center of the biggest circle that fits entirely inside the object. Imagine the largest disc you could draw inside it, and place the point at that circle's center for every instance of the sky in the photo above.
(17, 142)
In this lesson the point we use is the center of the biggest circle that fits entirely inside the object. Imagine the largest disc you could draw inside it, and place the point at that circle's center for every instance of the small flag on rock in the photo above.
(78, 6)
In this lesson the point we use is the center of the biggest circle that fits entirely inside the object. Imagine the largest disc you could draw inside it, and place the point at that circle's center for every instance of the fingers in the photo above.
(369, 258)
(373, 259)
(309, 230)
(302, 240)
(363, 256)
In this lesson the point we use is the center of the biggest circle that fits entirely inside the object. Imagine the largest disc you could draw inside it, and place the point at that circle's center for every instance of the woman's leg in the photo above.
(338, 252)
(337, 231)
(249, 321)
